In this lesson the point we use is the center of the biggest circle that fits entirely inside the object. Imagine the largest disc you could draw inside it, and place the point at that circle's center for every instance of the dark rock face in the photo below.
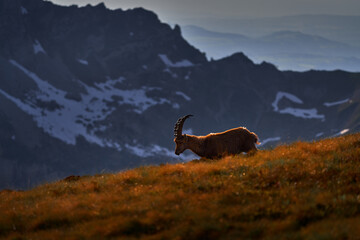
(86, 90)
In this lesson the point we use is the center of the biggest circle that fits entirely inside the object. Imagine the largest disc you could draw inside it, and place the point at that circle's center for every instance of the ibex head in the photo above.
(180, 139)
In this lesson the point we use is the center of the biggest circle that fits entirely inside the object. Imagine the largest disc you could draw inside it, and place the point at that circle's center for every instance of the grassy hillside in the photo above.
(298, 191)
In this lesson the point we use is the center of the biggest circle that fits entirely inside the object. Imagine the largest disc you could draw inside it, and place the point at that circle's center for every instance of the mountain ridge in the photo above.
(336, 27)
(288, 49)
(80, 97)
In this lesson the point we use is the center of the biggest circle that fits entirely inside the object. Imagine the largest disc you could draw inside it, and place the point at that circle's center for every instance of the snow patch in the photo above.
(173, 75)
(142, 151)
(297, 112)
(319, 134)
(82, 61)
(187, 77)
(138, 150)
(38, 48)
(23, 10)
(13, 136)
(169, 63)
(186, 97)
(289, 96)
(135, 97)
(71, 118)
(188, 131)
(330, 104)
(100, 128)
(267, 140)
(155, 150)
(303, 113)
(342, 132)
(175, 106)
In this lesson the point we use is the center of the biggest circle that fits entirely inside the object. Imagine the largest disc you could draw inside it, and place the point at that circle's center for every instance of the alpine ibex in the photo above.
(215, 145)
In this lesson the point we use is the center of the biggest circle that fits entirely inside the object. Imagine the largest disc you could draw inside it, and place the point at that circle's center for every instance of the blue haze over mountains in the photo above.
(304, 42)
(85, 90)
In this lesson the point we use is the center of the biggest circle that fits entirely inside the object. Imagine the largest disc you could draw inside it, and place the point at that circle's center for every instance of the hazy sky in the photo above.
(178, 10)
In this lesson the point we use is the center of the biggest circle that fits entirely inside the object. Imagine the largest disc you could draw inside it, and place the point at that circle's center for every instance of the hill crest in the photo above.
(299, 190)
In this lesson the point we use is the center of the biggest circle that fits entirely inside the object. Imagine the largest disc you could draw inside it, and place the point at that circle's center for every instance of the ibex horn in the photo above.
(179, 125)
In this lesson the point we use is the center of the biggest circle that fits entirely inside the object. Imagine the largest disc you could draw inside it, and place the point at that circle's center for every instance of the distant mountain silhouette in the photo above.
(336, 27)
(286, 49)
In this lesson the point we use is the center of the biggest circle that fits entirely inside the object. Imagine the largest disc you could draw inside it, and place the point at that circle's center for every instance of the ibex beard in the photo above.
(215, 145)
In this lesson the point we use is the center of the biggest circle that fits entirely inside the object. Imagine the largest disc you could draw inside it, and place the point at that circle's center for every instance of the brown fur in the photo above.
(216, 145)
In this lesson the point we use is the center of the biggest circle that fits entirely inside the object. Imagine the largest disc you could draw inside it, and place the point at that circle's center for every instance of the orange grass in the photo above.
(297, 191)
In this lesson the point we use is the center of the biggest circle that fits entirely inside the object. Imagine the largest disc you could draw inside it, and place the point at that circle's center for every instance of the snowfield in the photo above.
(169, 63)
(38, 48)
(280, 95)
(267, 140)
(342, 132)
(330, 104)
(70, 118)
(82, 61)
(296, 112)
(186, 97)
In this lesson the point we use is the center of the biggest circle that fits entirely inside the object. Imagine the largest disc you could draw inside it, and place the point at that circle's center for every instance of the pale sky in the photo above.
(178, 10)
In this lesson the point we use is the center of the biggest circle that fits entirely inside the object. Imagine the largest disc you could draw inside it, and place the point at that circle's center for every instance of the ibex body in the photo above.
(215, 145)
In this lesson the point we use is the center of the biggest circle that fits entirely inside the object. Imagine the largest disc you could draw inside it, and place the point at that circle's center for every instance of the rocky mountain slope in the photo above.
(85, 90)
